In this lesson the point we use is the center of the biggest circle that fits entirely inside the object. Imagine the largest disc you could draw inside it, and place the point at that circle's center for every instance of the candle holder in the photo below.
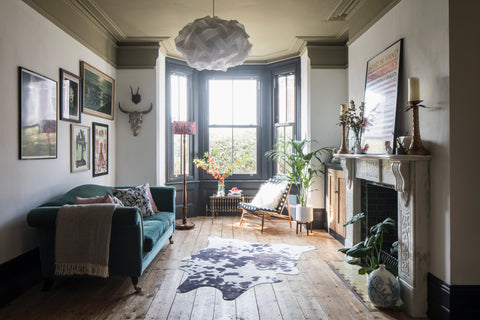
(416, 146)
(343, 146)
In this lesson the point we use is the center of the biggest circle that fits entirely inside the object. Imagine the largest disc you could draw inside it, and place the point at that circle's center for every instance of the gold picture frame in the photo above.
(98, 92)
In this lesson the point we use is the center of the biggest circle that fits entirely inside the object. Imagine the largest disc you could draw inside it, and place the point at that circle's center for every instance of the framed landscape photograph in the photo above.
(98, 92)
(79, 148)
(69, 96)
(38, 116)
(381, 91)
(100, 149)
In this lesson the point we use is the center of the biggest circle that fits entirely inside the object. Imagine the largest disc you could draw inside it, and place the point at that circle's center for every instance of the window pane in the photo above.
(290, 99)
(244, 102)
(220, 102)
(245, 144)
(281, 99)
(178, 97)
(178, 155)
(221, 143)
(284, 134)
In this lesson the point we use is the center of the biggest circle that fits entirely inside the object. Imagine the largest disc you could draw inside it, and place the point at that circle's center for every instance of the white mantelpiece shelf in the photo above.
(409, 175)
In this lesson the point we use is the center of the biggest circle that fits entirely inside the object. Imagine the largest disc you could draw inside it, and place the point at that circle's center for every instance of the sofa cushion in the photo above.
(138, 197)
(154, 227)
(83, 191)
(105, 199)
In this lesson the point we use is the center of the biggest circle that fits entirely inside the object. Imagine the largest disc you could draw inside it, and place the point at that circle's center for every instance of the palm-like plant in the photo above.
(299, 164)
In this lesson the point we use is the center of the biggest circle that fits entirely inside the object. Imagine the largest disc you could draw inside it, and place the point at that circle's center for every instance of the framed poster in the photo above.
(38, 116)
(69, 96)
(98, 92)
(381, 91)
(79, 148)
(100, 149)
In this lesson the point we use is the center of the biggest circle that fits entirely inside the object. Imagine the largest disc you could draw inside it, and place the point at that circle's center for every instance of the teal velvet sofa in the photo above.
(134, 241)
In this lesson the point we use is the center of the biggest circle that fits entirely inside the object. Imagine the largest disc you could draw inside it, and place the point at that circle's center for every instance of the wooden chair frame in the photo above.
(267, 215)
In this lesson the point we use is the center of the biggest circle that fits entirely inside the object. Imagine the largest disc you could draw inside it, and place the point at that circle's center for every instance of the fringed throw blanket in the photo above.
(82, 239)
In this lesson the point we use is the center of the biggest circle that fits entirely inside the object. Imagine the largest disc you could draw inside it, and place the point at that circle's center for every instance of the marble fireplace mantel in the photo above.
(409, 175)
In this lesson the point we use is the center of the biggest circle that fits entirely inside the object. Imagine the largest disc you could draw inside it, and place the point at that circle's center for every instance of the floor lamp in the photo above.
(184, 128)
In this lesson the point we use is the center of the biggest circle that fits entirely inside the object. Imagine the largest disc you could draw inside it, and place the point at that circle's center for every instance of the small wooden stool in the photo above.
(307, 224)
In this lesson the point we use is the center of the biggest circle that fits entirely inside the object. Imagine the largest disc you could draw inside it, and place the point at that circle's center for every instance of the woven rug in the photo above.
(234, 266)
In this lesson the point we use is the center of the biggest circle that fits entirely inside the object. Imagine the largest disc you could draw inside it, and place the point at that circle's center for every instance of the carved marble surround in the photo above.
(410, 177)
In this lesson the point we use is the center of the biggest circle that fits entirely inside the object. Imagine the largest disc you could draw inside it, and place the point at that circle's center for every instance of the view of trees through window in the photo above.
(179, 112)
(233, 122)
(284, 112)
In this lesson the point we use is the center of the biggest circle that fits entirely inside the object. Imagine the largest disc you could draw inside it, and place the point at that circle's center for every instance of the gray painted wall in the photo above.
(424, 27)
(29, 40)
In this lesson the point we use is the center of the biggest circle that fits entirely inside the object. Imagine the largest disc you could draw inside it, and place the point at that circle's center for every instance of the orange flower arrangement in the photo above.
(211, 166)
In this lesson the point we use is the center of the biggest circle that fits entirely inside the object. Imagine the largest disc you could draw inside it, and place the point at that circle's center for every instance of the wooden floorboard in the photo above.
(316, 293)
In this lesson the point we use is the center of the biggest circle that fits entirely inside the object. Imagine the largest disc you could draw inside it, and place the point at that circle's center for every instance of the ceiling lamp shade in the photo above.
(213, 43)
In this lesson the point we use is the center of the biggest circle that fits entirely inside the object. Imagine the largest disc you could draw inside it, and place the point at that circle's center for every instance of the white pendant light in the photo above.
(213, 43)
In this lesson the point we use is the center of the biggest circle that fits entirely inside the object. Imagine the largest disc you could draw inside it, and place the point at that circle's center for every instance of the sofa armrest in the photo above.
(164, 198)
(45, 217)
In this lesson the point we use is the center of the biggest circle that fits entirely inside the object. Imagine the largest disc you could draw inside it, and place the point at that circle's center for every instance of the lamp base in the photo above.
(184, 226)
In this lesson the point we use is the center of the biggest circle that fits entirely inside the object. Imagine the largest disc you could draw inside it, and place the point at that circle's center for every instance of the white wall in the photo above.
(29, 40)
(136, 155)
(424, 27)
(328, 88)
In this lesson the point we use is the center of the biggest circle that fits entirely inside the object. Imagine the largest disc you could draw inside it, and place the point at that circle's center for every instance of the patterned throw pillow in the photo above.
(136, 197)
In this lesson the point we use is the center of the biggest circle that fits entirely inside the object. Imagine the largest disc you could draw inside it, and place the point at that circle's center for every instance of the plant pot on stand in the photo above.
(304, 216)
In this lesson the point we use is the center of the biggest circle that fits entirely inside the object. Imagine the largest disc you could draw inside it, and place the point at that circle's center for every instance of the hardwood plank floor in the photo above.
(316, 293)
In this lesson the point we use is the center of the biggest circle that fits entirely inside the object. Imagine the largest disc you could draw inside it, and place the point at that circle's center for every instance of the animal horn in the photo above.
(131, 90)
(150, 109)
(138, 89)
(121, 108)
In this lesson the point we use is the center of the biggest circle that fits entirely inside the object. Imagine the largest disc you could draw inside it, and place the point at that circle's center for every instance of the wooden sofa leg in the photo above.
(135, 285)
(48, 284)
(170, 240)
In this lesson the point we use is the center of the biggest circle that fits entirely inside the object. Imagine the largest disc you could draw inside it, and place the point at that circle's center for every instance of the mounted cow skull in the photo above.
(135, 118)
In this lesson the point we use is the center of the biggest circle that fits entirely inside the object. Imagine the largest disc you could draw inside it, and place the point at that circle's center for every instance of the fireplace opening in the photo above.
(378, 202)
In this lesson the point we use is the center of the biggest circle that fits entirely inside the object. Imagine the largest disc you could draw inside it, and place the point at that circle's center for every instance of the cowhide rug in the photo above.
(234, 266)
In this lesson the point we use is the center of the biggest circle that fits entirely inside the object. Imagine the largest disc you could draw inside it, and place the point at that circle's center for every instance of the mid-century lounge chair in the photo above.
(269, 203)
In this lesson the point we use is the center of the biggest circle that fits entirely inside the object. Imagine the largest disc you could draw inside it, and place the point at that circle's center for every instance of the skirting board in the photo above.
(18, 275)
(452, 302)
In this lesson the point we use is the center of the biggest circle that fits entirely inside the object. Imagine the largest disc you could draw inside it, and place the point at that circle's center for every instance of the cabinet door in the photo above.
(332, 200)
(341, 203)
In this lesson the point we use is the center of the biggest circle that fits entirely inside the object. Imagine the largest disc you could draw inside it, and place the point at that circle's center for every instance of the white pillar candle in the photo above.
(413, 89)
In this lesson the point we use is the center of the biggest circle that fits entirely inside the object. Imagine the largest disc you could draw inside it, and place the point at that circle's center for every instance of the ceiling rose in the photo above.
(213, 43)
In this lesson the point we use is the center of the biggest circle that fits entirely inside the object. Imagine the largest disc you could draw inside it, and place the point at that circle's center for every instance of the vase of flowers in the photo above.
(217, 168)
(354, 122)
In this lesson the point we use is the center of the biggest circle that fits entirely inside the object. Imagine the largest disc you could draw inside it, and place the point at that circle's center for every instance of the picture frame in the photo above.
(79, 148)
(98, 92)
(37, 116)
(69, 96)
(381, 93)
(100, 149)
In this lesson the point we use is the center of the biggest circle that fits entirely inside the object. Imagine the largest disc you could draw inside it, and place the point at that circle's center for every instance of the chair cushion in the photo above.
(154, 227)
(252, 208)
(270, 194)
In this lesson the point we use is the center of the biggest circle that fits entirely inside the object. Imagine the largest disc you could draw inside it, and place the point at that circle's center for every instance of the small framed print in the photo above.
(69, 96)
(100, 149)
(79, 148)
(38, 116)
(98, 92)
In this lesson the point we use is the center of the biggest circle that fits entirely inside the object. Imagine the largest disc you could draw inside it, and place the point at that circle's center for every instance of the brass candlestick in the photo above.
(416, 146)
(343, 147)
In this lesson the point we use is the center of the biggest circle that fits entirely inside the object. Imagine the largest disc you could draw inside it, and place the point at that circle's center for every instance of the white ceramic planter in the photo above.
(383, 288)
(303, 214)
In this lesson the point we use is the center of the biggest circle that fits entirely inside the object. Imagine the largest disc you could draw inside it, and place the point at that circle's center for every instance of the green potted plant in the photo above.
(300, 170)
(382, 287)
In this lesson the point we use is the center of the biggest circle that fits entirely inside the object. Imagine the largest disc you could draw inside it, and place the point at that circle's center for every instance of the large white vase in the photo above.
(383, 288)
(303, 214)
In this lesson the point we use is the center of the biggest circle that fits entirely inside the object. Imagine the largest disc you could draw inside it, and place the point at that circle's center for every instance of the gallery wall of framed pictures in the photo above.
(90, 93)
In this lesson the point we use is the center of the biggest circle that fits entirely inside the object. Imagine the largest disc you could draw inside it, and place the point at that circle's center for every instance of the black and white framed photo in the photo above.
(38, 116)
(100, 149)
(79, 148)
(69, 96)
(381, 91)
